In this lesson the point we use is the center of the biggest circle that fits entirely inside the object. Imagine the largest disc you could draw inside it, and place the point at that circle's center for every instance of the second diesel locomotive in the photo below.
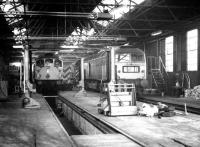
(130, 67)
(48, 73)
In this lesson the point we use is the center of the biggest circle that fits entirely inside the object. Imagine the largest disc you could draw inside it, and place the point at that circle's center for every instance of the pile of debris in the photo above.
(193, 93)
(160, 110)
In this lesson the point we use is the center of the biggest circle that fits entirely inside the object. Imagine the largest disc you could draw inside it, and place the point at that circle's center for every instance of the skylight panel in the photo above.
(138, 1)
(103, 22)
(118, 12)
(98, 9)
(12, 9)
(109, 1)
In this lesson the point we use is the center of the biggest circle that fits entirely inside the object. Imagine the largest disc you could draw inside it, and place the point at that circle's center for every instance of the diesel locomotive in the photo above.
(130, 67)
(48, 73)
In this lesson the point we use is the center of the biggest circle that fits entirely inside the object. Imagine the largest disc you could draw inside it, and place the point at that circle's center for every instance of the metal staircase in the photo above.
(158, 80)
(158, 74)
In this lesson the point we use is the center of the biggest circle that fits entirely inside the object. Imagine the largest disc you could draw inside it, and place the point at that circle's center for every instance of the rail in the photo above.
(100, 124)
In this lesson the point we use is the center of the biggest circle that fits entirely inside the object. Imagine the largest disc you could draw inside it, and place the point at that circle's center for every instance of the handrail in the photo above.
(187, 77)
(160, 61)
(155, 80)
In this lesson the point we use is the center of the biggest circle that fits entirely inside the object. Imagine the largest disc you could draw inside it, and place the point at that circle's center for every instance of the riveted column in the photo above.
(26, 66)
(82, 92)
(112, 64)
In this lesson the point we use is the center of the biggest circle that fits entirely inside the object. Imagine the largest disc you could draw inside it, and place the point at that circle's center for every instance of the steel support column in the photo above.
(26, 67)
(82, 91)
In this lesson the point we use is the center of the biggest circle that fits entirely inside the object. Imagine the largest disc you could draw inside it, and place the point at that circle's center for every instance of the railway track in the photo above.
(102, 125)
(108, 128)
(180, 107)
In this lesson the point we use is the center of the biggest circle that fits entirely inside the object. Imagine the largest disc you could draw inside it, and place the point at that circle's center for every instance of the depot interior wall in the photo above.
(155, 46)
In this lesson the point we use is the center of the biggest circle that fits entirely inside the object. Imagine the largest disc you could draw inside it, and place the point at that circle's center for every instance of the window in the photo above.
(192, 38)
(48, 62)
(57, 63)
(122, 58)
(169, 53)
(137, 58)
(40, 63)
(131, 69)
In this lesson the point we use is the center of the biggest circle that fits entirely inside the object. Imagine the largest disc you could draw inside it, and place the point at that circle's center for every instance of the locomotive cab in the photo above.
(48, 74)
(130, 65)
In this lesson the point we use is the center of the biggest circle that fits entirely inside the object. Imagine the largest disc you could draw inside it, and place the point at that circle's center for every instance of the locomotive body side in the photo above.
(96, 71)
(130, 67)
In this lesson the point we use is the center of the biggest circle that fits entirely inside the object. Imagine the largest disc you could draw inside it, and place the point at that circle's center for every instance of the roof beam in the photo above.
(85, 3)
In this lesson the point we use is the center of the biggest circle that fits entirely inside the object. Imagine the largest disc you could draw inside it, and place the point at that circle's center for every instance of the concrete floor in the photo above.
(177, 131)
(30, 127)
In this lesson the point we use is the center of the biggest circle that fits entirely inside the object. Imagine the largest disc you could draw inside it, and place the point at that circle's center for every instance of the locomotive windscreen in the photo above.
(58, 63)
(40, 63)
(129, 55)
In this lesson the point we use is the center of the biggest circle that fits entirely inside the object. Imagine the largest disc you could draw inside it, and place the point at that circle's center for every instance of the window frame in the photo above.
(169, 64)
(192, 50)
(123, 69)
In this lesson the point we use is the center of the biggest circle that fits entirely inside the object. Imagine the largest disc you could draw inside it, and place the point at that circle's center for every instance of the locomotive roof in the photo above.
(49, 55)
(121, 49)
(98, 55)
(128, 49)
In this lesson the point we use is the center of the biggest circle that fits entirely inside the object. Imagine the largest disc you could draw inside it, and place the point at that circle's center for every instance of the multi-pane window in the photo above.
(131, 69)
(192, 43)
(169, 50)
(122, 58)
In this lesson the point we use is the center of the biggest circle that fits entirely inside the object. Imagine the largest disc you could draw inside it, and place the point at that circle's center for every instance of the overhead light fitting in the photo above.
(69, 46)
(66, 51)
(18, 64)
(18, 46)
(156, 33)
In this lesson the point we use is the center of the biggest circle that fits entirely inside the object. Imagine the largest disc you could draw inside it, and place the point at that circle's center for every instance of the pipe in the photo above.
(81, 82)
(112, 65)
(20, 78)
(30, 67)
(26, 67)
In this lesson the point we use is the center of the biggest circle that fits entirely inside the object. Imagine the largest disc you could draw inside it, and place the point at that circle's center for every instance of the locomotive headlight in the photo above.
(47, 71)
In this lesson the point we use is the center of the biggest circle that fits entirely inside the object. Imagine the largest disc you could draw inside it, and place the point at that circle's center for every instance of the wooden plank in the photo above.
(124, 110)
(120, 104)
(119, 93)
(122, 98)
